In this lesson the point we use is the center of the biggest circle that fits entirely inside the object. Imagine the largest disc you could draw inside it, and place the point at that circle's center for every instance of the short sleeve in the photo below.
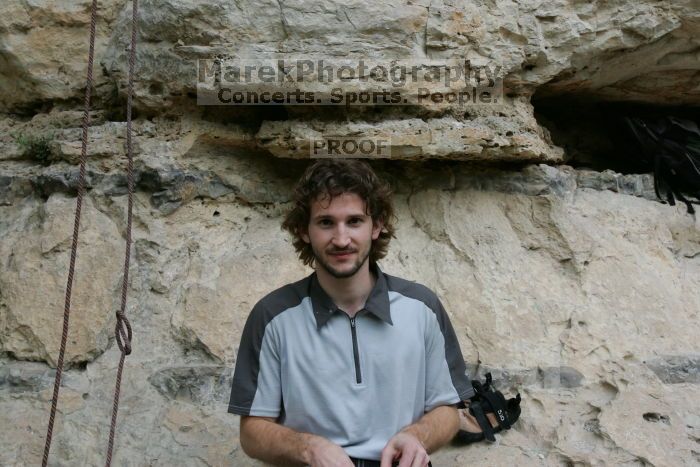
(256, 389)
(447, 379)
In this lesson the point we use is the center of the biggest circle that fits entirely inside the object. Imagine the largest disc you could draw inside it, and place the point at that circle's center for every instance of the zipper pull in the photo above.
(352, 322)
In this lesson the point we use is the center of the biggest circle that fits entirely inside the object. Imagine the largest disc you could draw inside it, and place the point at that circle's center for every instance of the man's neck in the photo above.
(349, 293)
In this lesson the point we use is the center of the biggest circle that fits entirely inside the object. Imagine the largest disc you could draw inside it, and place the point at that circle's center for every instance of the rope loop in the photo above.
(123, 334)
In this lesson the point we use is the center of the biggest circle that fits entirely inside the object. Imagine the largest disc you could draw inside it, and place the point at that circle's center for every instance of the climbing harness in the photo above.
(487, 399)
(123, 332)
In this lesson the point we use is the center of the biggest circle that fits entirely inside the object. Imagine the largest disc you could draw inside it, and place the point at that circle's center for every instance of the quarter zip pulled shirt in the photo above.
(356, 381)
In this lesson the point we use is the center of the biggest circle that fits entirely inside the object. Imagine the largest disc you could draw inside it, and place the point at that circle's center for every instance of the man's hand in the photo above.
(324, 453)
(468, 423)
(413, 443)
(406, 447)
(262, 438)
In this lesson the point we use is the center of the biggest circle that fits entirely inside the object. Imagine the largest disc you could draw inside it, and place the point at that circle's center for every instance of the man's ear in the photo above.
(304, 234)
(377, 227)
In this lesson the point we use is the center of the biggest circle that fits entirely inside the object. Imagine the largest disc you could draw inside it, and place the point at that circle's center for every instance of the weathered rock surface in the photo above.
(35, 253)
(665, 432)
(617, 50)
(573, 286)
(583, 299)
(43, 48)
(484, 139)
(676, 368)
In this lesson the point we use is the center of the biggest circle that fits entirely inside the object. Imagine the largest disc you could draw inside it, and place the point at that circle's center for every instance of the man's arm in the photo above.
(434, 429)
(264, 439)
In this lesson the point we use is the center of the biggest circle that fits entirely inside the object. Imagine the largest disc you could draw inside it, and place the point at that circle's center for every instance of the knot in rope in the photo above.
(122, 332)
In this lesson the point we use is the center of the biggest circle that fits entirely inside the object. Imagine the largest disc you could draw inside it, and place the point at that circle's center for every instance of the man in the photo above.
(348, 366)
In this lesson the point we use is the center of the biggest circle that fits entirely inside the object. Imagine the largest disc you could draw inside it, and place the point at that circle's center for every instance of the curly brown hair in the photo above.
(333, 177)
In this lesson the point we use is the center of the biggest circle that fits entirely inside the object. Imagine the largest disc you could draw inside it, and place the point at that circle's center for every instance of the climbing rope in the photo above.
(123, 331)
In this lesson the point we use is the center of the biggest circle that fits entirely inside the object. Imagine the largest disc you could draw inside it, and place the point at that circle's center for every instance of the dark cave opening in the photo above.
(594, 133)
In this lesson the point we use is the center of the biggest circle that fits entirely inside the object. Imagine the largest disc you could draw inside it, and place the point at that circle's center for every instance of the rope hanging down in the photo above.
(123, 332)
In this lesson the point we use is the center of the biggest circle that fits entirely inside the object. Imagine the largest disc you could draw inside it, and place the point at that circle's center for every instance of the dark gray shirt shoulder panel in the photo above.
(245, 377)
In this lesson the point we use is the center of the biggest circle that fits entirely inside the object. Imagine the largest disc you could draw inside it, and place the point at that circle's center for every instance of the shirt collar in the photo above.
(377, 303)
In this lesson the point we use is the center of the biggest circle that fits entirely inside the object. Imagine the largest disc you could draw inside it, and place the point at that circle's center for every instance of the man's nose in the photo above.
(341, 236)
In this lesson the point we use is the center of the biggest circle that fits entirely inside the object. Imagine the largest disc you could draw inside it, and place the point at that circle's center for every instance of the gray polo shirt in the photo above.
(355, 381)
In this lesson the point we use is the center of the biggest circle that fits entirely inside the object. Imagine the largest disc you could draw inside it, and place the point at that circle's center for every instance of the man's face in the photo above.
(341, 234)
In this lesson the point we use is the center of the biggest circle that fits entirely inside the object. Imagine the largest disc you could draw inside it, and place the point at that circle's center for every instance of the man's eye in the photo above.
(325, 222)
(356, 220)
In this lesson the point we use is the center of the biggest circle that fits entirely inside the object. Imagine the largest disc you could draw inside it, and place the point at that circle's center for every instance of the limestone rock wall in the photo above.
(584, 299)
(573, 286)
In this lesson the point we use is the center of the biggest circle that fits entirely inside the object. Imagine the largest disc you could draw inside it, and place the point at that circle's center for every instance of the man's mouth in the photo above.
(342, 254)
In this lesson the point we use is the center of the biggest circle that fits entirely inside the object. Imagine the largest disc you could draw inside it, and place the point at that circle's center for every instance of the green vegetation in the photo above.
(35, 147)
